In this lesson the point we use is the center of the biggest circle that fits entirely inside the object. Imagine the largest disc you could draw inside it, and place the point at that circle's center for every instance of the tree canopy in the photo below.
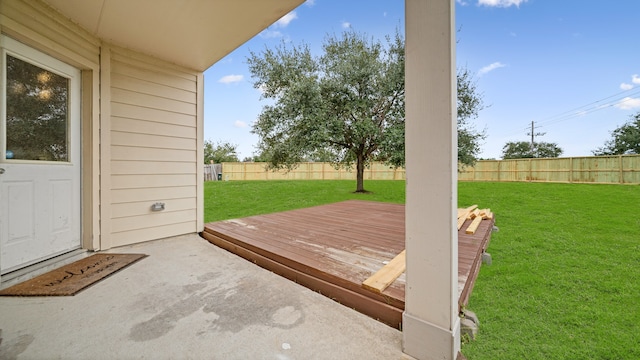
(469, 104)
(522, 150)
(625, 139)
(346, 105)
(219, 152)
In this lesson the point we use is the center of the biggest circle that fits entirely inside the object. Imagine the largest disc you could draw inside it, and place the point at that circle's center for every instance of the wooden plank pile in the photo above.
(474, 214)
(384, 277)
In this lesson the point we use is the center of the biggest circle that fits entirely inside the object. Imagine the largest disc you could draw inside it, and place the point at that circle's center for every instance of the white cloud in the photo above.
(310, 2)
(270, 34)
(635, 80)
(346, 24)
(240, 124)
(625, 86)
(491, 67)
(285, 20)
(628, 103)
(501, 3)
(462, 2)
(228, 79)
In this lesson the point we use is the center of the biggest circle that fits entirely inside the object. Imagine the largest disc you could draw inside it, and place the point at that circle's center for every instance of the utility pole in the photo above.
(533, 135)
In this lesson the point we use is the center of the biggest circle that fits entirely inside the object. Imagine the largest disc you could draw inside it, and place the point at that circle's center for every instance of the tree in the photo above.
(469, 104)
(343, 102)
(547, 150)
(626, 139)
(220, 152)
(254, 158)
(517, 150)
(346, 105)
(523, 150)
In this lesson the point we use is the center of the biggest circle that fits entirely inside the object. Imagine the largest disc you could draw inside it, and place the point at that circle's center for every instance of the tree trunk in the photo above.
(360, 174)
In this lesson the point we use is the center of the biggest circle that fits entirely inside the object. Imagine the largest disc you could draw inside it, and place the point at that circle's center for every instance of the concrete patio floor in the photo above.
(191, 300)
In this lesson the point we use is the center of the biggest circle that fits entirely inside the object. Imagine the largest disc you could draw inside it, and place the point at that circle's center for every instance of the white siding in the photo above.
(36, 24)
(153, 148)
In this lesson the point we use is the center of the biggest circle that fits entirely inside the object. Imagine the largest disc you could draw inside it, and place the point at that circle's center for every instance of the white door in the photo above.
(39, 156)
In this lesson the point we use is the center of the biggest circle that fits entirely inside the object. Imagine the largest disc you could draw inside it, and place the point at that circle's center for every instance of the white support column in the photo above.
(431, 327)
(105, 147)
(200, 154)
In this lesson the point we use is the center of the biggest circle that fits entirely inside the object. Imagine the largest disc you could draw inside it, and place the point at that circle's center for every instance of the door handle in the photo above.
(1, 171)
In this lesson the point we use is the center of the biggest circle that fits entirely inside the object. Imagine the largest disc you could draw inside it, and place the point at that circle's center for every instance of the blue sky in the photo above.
(571, 66)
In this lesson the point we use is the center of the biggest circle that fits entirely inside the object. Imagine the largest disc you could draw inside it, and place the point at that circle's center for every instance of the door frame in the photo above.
(39, 169)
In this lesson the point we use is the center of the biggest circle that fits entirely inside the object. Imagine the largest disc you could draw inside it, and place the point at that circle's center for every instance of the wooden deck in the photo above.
(333, 248)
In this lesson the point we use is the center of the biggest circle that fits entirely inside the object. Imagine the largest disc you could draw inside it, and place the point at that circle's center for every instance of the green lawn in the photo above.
(564, 283)
(234, 199)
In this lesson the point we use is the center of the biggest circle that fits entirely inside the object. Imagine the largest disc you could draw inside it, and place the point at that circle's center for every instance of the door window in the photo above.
(37, 113)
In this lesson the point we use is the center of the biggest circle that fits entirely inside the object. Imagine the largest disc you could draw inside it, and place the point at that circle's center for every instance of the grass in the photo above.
(234, 199)
(564, 280)
(566, 261)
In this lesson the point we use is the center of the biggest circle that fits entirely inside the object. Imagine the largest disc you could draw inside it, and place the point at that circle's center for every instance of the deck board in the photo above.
(333, 248)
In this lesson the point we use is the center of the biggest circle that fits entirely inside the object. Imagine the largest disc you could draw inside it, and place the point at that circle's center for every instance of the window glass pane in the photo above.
(37, 112)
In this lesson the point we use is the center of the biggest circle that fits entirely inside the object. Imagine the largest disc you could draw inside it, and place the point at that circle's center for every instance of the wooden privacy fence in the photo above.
(618, 169)
(307, 171)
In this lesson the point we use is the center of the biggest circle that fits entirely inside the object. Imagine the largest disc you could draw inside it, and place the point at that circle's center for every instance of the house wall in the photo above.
(142, 124)
(153, 148)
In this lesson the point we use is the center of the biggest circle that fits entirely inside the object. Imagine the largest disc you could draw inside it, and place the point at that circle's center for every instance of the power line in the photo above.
(581, 111)
(575, 111)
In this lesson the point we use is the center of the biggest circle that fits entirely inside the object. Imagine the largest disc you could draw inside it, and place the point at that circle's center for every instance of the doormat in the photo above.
(71, 278)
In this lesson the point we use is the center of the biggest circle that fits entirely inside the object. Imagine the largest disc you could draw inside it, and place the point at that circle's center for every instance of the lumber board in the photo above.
(471, 208)
(474, 214)
(463, 214)
(465, 211)
(384, 277)
(471, 229)
(461, 221)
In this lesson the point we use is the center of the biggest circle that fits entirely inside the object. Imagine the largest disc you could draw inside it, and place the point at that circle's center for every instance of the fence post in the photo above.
(570, 170)
(621, 170)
